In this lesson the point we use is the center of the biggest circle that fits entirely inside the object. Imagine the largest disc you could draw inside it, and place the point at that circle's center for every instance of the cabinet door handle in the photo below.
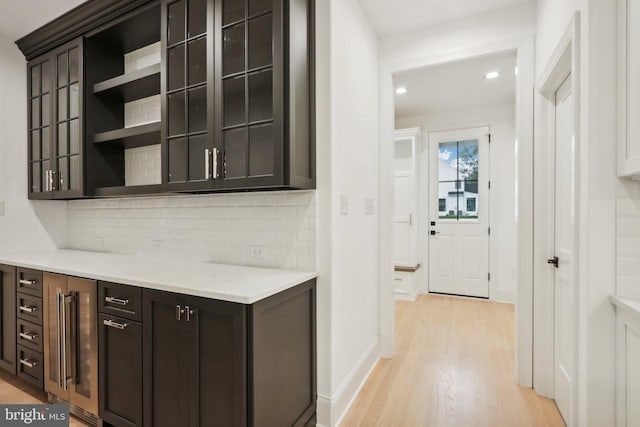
(188, 313)
(115, 300)
(207, 162)
(116, 325)
(179, 312)
(215, 164)
(28, 308)
(30, 363)
(28, 282)
(28, 336)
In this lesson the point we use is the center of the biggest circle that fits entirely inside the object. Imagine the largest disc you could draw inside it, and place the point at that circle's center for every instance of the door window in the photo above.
(458, 171)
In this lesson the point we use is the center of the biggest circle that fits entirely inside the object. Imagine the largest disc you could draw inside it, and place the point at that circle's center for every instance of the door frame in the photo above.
(565, 60)
(524, 46)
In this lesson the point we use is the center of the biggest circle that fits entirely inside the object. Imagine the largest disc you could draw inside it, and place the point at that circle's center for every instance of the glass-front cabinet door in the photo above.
(55, 124)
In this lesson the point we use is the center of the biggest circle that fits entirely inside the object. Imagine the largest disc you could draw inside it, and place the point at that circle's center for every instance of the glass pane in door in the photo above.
(458, 171)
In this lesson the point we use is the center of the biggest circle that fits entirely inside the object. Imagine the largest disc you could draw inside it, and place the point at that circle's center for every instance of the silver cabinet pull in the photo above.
(188, 313)
(115, 300)
(207, 160)
(30, 363)
(52, 181)
(28, 282)
(179, 312)
(28, 336)
(215, 164)
(59, 341)
(116, 325)
(28, 308)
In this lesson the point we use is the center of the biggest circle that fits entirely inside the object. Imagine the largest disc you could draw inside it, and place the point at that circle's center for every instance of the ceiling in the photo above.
(19, 18)
(456, 86)
(398, 16)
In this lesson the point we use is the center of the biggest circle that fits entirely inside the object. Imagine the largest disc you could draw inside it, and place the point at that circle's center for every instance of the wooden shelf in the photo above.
(132, 190)
(131, 137)
(131, 86)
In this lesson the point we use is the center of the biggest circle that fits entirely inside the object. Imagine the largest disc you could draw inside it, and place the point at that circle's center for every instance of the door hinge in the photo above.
(489, 138)
(489, 231)
(489, 185)
(489, 276)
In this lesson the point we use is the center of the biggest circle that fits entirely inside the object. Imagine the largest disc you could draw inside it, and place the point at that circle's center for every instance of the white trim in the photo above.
(524, 132)
(331, 410)
(564, 61)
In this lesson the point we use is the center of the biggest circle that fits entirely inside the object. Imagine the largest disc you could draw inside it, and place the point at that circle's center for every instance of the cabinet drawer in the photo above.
(29, 282)
(29, 335)
(120, 300)
(29, 308)
(30, 366)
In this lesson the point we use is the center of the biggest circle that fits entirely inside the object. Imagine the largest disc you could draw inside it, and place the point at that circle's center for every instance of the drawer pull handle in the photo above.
(114, 300)
(28, 282)
(28, 308)
(112, 324)
(29, 363)
(28, 336)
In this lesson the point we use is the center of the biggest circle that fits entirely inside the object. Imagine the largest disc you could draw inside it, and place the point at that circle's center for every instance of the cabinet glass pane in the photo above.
(232, 11)
(261, 96)
(74, 100)
(176, 27)
(257, 7)
(35, 177)
(74, 136)
(177, 160)
(233, 50)
(260, 50)
(235, 153)
(261, 150)
(197, 17)
(62, 104)
(74, 172)
(35, 145)
(197, 145)
(63, 173)
(197, 61)
(46, 166)
(74, 64)
(63, 139)
(46, 143)
(233, 101)
(198, 110)
(176, 67)
(176, 113)
(62, 70)
(35, 80)
(35, 112)
(46, 76)
(46, 113)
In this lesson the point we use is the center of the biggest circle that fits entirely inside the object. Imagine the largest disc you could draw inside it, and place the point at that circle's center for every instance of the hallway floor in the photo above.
(454, 367)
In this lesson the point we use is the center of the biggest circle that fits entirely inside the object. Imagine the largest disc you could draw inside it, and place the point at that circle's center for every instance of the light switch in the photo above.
(344, 205)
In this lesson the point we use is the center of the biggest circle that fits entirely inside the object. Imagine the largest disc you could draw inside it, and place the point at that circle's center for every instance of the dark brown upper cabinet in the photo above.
(233, 80)
(55, 117)
(237, 94)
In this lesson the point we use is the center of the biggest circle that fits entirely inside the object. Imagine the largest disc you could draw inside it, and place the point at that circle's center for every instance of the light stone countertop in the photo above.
(630, 305)
(233, 283)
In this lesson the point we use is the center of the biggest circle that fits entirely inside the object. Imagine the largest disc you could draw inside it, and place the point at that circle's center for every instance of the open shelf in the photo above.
(131, 137)
(132, 190)
(132, 86)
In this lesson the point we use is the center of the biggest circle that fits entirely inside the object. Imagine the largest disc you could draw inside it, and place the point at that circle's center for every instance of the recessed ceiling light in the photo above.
(401, 90)
(492, 75)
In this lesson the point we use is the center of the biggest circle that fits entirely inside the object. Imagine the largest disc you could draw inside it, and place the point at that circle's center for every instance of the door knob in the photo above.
(553, 261)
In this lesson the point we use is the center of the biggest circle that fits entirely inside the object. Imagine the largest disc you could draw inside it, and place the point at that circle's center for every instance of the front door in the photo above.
(459, 212)
(564, 214)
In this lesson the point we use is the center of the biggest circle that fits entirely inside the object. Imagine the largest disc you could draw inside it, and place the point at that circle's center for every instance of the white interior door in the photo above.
(564, 217)
(459, 212)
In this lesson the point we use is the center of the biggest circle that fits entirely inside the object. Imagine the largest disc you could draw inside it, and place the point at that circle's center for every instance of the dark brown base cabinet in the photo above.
(8, 318)
(215, 363)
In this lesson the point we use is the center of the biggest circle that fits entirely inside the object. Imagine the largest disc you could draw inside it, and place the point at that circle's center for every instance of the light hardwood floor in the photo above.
(14, 391)
(454, 367)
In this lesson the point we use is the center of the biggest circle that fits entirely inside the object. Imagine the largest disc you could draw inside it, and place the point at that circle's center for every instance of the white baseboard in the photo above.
(331, 410)
(406, 297)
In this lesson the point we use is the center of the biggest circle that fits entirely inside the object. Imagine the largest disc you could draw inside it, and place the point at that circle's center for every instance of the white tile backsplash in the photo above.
(142, 165)
(141, 111)
(142, 58)
(628, 239)
(211, 228)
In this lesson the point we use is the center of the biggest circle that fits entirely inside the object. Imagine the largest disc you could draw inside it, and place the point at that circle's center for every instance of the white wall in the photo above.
(597, 190)
(462, 35)
(25, 224)
(503, 242)
(347, 86)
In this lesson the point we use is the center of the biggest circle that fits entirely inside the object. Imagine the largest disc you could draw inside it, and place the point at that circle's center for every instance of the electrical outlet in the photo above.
(257, 252)
(99, 243)
(369, 207)
(157, 243)
(344, 205)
